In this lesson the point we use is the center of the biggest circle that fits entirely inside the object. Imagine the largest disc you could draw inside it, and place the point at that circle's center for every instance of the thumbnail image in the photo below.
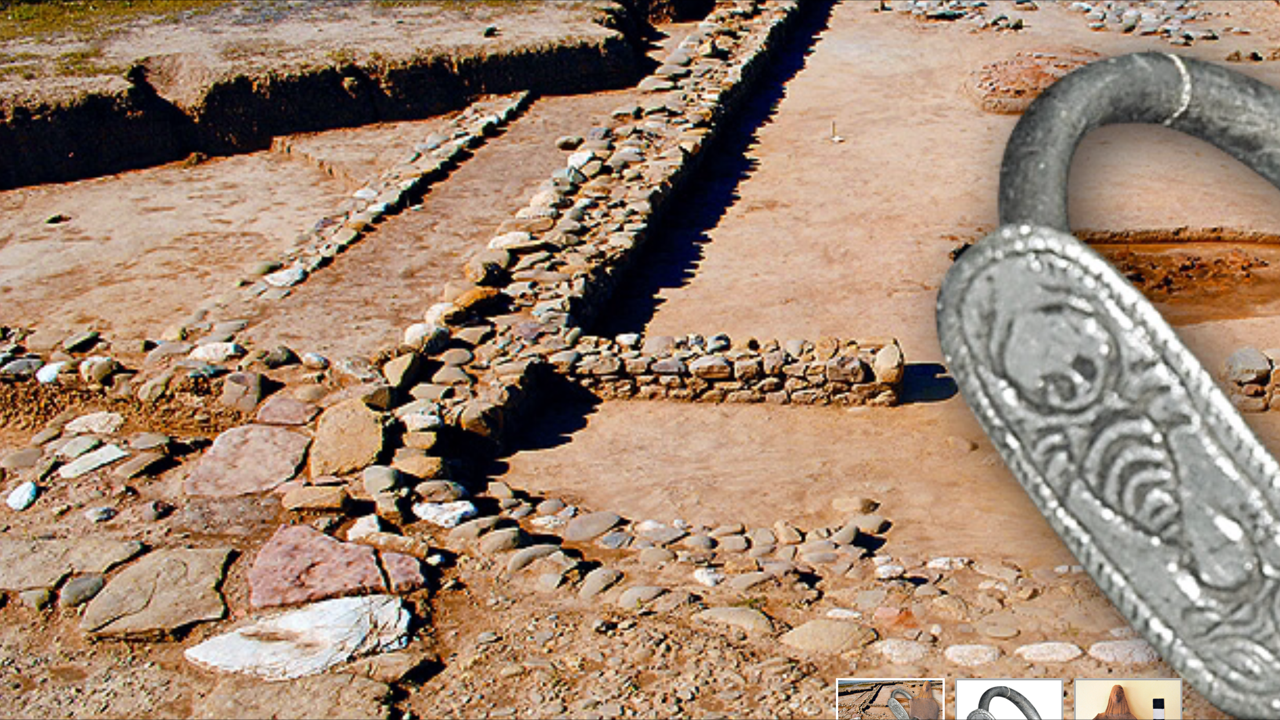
(1135, 699)
(887, 699)
(1008, 699)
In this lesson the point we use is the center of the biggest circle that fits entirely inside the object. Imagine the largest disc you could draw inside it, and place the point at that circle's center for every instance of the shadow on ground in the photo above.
(926, 383)
(562, 409)
(675, 248)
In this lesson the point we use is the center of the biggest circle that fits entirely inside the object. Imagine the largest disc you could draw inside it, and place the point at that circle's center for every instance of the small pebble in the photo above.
(22, 496)
(100, 514)
(80, 590)
(708, 576)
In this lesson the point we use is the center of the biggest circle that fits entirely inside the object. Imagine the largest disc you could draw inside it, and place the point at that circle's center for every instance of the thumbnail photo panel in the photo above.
(1008, 699)
(890, 698)
(1136, 699)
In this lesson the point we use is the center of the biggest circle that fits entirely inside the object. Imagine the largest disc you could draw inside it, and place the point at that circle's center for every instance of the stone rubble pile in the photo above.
(977, 12)
(1167, 19)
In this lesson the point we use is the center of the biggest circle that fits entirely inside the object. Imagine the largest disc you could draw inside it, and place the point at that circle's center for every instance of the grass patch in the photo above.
(84, 63)
(88, 19)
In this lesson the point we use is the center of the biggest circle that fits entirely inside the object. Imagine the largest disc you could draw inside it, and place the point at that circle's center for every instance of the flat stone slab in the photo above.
(89, 462)
(31, 564)
(246, 460)
(748, 619)
(349, 437)
(1047, 652)
(591, 525)
(1123, 652)
(597, 581)
(282, 410)
(828, 636)
(165, 591)
(658, 533)
(404, 572)
(240, 516)
(524, 557)
(972, 655)
(309, 640)
(101, 423)
(324, 697)
(77, 446)
(901, 652)
(140, 464)
(21, 459)
(633, 598)
(301, 564)
(446, 515)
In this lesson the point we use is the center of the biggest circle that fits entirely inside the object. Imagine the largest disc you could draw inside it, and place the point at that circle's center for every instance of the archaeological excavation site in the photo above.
(522, 359)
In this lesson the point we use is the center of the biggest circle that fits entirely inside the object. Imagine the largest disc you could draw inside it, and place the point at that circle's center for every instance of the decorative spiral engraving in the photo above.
(1136, 458)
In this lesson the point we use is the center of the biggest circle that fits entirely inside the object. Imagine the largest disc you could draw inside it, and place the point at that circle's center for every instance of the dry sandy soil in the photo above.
(788, 235)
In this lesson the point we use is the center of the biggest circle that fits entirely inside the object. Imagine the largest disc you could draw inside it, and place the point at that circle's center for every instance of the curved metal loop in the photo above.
(1121, 438)
(895, 707)
(1236, 113)
(1020, 701)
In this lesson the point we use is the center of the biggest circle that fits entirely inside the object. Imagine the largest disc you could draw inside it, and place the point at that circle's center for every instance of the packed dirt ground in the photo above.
(54, 51)
(831, 206)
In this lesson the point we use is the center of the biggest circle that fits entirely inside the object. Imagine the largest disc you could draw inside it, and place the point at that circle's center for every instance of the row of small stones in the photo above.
(782, 552)
(72, 446)
(425, 163)
(689, 367)
(973, 11)
(713, 369)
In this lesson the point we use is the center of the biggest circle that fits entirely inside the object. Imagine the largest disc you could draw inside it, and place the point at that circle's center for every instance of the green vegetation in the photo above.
(87, 19)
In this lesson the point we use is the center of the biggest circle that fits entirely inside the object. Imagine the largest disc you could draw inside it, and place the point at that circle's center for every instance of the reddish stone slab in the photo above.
(300, 564)
(404, 572)
(281, 410)
(246, 460)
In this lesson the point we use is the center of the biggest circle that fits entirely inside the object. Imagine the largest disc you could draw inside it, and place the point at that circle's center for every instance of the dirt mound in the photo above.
(1009, 86)
(1171, 263)
(1161, 276)
(1177, 235)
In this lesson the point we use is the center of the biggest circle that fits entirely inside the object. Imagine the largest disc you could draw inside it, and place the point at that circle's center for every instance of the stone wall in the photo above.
(715, 369)
(552, 268)
(423, 164)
